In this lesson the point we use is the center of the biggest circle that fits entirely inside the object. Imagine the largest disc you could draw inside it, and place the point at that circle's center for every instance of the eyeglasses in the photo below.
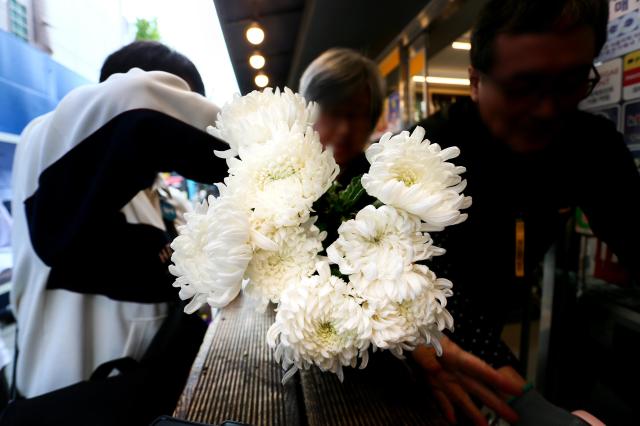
(576, 84)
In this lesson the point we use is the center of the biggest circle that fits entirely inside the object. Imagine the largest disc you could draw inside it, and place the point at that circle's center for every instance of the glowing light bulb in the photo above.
(255, 34)
(261, 80)
(257, 61)
(461, 45)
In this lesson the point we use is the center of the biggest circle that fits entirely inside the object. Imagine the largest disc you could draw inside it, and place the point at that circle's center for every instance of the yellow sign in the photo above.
(390, 62)
(631, 76)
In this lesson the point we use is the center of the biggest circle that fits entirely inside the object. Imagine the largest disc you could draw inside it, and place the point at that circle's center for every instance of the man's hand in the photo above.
(457, 375)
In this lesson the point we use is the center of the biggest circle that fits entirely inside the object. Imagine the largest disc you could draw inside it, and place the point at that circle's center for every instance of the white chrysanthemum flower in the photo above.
(320, 321)
(252, 120)
(381, 243)
(294, 258)
(400, 326)
(414, 175)
(407, 284)
(390, 329)
(211, 253)
(280, 182)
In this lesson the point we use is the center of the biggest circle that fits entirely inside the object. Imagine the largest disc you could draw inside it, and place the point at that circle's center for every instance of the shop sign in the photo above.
(631, 76)
(632, 125)
(609, 89)
(623, 36)
(618, 8)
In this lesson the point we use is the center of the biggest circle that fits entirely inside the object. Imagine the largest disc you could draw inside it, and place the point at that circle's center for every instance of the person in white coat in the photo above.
(91, 280)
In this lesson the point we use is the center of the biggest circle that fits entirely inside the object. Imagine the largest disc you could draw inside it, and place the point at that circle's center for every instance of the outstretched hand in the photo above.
(457, 375)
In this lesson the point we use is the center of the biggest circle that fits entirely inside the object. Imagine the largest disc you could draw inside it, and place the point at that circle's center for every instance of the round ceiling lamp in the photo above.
(257, 61)
(255, 34)
(261, 80)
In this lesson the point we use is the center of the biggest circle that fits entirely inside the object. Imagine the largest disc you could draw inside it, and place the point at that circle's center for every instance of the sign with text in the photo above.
(609, 89)
(623, 36)
(618, 8)
(631, 76)
(632, 125)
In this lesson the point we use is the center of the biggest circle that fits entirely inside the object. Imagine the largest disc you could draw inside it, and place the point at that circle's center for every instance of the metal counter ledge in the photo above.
(235, 377)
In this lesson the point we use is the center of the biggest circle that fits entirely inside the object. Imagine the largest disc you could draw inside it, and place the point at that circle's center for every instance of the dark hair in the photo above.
(534, 16)
(152, 56)
(337, 74)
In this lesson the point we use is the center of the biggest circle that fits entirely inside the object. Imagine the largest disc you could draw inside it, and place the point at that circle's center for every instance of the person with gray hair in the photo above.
(350, 91)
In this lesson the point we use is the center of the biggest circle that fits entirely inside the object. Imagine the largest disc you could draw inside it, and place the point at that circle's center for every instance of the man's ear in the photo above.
(474, 78)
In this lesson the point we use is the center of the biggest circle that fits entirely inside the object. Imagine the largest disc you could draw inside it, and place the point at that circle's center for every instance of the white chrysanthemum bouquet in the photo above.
(368, 289)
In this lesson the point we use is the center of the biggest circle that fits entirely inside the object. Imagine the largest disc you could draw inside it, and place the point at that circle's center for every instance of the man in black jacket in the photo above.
(531, 157)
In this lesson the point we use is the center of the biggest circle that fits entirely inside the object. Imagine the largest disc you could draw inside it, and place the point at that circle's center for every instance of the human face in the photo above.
(346, 127)
(535, 81)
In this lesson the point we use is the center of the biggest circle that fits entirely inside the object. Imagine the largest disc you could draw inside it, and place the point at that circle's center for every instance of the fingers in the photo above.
(489, 398)
(426, 357)
(445, 405)
(511, 373)
(460, 360)
(473, 366)
(458, 373)
(461, 398)
(449, 393)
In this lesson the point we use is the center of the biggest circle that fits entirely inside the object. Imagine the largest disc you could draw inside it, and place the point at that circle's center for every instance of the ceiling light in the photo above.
(255, 34)
(461, 45)
(257, 61)
(441, 80)
(448, 80)
(261, 80)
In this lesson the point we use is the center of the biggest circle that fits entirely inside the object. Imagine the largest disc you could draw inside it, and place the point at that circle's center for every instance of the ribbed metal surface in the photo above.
(235, 377)
(387, 392)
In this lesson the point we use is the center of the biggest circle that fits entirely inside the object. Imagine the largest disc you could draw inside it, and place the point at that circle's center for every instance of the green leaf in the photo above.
(339, 204)
(351, 194)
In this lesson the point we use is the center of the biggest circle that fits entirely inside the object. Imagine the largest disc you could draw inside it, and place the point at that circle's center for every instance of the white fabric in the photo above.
(63, 335)
(5, 354)
(142, 209)
(145, 206)
(5, 227)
